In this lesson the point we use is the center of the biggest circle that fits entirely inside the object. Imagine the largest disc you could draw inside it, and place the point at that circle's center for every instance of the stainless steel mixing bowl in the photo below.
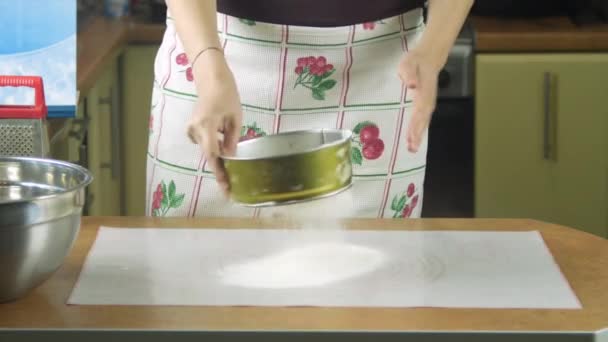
(41, 203)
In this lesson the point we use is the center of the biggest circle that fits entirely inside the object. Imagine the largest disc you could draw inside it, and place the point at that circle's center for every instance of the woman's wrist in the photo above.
(202, 51)
(210, 66)
(445, 20)
(435, 55)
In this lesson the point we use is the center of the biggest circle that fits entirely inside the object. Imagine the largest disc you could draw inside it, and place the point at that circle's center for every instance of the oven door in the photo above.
(448, 189)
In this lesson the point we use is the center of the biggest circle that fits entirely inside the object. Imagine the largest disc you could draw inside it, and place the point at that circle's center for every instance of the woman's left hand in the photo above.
(419, 71)
(419, 68)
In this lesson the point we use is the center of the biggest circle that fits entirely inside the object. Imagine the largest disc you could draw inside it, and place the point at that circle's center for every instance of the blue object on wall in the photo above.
(38, 38)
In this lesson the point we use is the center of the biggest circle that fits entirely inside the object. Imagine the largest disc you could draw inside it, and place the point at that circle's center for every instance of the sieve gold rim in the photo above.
(276, 203)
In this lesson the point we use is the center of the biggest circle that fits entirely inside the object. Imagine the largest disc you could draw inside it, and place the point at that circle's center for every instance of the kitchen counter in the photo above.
(557, 34)
(583, 258)
(102, 39)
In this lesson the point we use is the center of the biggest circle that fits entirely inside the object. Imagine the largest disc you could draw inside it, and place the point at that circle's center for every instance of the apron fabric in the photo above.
(294, 78)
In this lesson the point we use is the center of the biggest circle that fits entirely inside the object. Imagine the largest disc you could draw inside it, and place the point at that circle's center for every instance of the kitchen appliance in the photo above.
(290, 167)
(449, 172)
(23, 127)
(41, 202)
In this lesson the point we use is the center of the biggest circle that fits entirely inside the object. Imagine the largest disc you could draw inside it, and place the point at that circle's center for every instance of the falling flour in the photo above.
(330, 210)
(313, 265)
(317, 256)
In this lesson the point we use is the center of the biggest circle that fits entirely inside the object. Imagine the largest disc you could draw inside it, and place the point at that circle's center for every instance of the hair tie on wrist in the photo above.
(205, 50)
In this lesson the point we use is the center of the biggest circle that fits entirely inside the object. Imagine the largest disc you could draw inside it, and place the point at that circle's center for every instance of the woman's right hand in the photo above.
(216, 121)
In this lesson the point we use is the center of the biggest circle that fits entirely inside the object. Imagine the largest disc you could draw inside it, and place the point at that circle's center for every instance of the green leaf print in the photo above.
(401, 203)
(247, 22)
(177, 201)
(316, 80)
(327, 84)
(313, 74)
(318, 94)
(356, 156)
(360, 126)
(327, 74)
(166, 198)
(394, 203)
(171, 190)
(165, 201)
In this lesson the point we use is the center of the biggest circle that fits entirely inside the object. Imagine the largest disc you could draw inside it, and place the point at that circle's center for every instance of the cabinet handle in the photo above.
(547, 117)
(112, 102)
(83, 156)
(115, 132)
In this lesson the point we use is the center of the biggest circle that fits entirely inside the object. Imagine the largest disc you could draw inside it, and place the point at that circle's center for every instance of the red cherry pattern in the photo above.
(313, 73)
(407, 211)
(189, 75)
(369, 133)
(369, 25)
(373, 149)
(367, 141)
(415, 201)
(181, 59)
(410, 190)
(403, 204)
(317, 66)
(250, 132)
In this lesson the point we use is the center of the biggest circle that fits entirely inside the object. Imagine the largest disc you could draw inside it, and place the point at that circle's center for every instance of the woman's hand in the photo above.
(419, 72)
(216, 120)
(420, 67)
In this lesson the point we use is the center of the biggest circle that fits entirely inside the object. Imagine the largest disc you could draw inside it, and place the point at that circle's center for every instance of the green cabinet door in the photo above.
(137, 80)
(511, 177)
(542, 138)
(581, 135)
(105, 192)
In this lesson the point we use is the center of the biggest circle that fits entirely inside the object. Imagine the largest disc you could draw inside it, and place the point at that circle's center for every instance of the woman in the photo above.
(229, 70)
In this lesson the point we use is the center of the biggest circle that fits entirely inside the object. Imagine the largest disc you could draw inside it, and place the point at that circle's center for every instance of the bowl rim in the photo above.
(346, 136)
(88, 177)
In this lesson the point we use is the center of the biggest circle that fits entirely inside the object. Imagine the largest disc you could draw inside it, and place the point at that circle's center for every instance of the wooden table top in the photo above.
(583, 258)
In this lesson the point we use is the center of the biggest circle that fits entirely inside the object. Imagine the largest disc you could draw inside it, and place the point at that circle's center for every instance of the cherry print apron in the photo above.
(294, 78)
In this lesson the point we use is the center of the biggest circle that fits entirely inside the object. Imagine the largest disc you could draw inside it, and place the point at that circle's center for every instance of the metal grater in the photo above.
(23, 131)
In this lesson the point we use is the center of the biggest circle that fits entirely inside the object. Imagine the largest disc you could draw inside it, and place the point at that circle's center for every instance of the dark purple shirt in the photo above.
(316, 13)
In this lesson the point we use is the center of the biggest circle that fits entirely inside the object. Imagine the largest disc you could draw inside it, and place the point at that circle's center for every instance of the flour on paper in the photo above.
(313, 265)
(322, 267)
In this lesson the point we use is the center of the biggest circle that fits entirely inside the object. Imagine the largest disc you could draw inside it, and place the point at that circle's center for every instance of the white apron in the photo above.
(294, 78)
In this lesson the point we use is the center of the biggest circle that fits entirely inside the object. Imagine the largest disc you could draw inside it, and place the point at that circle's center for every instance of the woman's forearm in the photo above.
(196, 24)
(445, 20)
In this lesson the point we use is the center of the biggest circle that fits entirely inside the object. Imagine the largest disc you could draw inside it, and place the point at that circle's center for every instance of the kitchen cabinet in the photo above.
(137, 80)
(103, 146)
(542, 138)
(66, 137)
